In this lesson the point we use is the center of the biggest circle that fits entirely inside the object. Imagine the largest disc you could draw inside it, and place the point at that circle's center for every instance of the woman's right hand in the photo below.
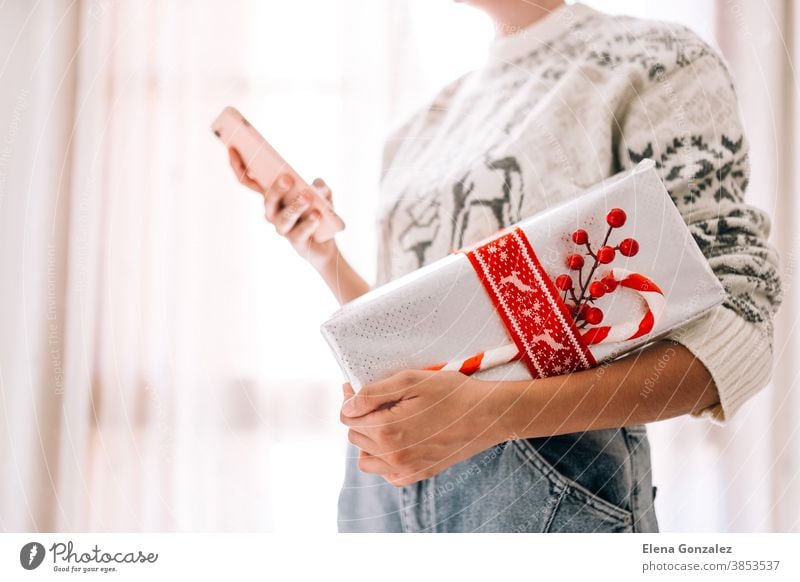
(288, 208)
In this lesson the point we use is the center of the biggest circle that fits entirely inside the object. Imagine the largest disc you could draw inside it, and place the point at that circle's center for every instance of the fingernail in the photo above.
(318, 182)
(315, 216)
(284, 182)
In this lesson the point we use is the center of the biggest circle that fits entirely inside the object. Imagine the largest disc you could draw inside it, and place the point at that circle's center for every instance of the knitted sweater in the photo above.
(561, 105)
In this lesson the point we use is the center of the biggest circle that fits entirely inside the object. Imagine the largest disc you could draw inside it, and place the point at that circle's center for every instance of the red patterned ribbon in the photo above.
(526, 299)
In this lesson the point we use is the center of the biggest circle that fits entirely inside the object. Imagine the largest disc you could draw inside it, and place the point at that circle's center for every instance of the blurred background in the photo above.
(161, 367)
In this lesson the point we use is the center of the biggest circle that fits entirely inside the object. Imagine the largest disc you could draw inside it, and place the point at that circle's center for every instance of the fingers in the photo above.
(300, 235)
(367, 446)
(381, 394)
(240, 169)
(367, 422)
(273, 198)
(397, 480)
(363, 442)
(371, 464)
(285, 203)
(321, 187)
(287, 218)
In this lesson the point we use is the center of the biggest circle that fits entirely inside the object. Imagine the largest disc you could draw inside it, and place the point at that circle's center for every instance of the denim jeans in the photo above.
(595, 481)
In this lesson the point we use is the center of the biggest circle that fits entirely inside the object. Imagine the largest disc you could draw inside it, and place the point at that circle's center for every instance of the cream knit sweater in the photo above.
(563, 104)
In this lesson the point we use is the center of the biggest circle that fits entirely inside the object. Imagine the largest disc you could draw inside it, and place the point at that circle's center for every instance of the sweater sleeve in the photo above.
(686, 118)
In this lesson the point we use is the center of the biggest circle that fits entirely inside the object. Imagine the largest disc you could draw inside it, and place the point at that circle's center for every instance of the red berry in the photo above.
(605, 254)
(575, 262)
(580, 237)
(581, 313)
(597, 289)
(629, 247)
(616, 217)
(594, 315)
(564, 282)
(610, 283)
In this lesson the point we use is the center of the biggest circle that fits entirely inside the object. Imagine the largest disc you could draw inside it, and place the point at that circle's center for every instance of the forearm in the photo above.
(345, 283)
(662, 381)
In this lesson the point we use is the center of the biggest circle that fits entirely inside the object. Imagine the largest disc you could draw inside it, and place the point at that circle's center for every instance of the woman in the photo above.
(567, 97)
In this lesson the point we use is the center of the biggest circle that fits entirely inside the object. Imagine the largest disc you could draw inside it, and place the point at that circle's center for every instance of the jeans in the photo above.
(595, 481)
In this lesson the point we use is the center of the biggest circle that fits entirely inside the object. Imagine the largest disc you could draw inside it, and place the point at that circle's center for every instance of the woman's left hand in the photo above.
(416, 424)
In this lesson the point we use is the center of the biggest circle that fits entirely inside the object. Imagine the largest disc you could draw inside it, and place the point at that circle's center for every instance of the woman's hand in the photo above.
(288, 208)
(416, 424)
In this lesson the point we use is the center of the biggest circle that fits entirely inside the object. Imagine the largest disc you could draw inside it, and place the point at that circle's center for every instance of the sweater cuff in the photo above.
(736, 354)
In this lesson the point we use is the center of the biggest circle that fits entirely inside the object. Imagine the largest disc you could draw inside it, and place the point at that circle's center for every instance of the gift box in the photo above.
(564, 290)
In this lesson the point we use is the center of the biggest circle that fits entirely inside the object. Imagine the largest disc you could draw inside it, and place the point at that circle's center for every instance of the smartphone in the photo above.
(264, 165)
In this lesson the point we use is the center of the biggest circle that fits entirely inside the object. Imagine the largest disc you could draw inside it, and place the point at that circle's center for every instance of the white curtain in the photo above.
(161, 366)
(754, 484)
(160, 362)
(745, 476)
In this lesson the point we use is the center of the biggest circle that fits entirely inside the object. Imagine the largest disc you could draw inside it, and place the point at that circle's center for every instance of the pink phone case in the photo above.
(265, 164)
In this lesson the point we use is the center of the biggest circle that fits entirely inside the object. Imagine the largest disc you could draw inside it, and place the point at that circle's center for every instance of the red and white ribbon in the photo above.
(538, 321)
(482, 360)
(525, 298)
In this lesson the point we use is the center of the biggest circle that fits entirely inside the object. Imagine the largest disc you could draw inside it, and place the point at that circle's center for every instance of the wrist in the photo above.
(325, 263)
(521, 408)
(502, 402)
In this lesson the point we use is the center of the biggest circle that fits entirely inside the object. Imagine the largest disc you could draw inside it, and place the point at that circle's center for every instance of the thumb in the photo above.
(347, 390)
(323, 189)
(376, 396)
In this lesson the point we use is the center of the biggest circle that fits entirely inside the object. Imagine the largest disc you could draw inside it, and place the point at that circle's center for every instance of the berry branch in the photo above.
(583, 311)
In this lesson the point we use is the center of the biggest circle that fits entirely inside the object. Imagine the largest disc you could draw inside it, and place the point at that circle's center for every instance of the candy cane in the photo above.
(654, 301)
(482, 361)
(650, 292)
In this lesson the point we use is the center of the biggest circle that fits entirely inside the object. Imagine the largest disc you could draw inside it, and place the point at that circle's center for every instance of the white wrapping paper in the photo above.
(442, 313)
